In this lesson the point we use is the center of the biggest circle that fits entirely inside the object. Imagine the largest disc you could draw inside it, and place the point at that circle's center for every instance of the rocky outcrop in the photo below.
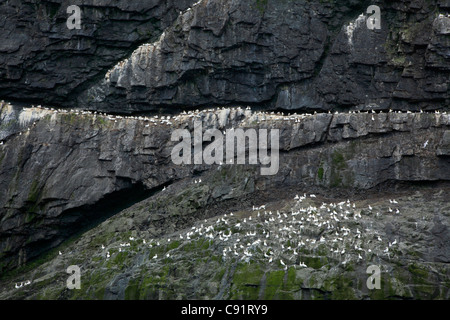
(444, 147)
(299, 55)
(287, 55)
(283, 246)
(67, 169)
(371, 118)
(42, 61)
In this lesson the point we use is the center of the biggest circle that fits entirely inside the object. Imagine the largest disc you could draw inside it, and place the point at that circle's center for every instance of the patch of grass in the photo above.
(2, 156)
(337, 165)
(153, 285)
(315, 262)
(246, 281)
(320, 173)
(201, 245)
(339, 171)
(418, 273)
(118, 260)
(93, 286)
(274, 282)
(220, 273)
(291, 283)
(343, 289)
(423, 289)
(101, 121)
(173, 245)
(132, 292)
(69, 118)
(33, 196)
(379, 294)
(30, 216)
(338, 159)
(261, 5)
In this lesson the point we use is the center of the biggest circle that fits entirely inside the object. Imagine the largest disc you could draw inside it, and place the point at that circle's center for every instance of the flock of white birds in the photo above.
(341, 232)
(221, 113)
(332, 230)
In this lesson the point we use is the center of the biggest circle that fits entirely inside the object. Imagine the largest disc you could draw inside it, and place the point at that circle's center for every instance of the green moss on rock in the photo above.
(246, 281)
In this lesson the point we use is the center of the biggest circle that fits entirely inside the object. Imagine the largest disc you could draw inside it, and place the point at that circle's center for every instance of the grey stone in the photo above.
(70, 169)
(293, 56)
(444, 145)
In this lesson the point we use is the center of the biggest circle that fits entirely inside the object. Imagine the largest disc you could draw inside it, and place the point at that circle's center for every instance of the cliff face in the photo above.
(62, 170)
(289, 55)
(285, 54)
(366, 116)
(42, 61)
(285, 247)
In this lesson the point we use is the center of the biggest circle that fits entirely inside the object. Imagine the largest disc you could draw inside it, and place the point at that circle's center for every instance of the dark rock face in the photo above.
(288, 55)
(220, 52)
(42, 61)
(63, 171)
(65, 168)
(444, 147)
(390, 67)
(170, 247)
(283, 54)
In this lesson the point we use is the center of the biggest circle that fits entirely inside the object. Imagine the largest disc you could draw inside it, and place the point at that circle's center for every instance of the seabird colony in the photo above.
(250, 115)
(282, 239)
(338, 231)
